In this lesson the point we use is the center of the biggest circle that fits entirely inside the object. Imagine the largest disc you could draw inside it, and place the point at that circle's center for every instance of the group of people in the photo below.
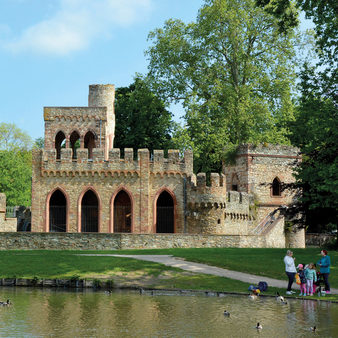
(308, 274)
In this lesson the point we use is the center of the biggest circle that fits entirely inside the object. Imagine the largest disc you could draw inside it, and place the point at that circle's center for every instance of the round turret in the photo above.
(102, 96)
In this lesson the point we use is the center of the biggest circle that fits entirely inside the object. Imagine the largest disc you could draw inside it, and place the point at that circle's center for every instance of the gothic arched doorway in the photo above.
(165, 213)
(122, 212)
(89, 212)
(57, 212)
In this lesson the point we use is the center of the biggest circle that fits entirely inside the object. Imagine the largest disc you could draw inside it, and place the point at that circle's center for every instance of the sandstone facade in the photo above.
(82, 184)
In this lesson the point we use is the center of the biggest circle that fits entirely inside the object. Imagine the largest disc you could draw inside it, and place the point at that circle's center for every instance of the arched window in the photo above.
(122, 212)
(57, 212)
(74, 142)
(89, 143)
(276, 187)
(60, 142)
(165, 213)
(89, 212)
(234, 182)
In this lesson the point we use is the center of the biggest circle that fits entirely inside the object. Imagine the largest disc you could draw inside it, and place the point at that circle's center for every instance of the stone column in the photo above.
(145, 224)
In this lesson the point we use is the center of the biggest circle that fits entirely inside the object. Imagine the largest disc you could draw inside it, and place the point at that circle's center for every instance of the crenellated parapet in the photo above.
(268, 150)
(203, 195)
(156, 164)
(215, 195)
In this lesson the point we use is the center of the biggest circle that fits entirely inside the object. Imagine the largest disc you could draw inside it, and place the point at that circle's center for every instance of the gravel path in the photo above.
(207, 269)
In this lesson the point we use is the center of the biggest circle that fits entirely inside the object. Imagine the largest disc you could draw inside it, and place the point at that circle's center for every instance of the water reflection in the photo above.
(62, 313)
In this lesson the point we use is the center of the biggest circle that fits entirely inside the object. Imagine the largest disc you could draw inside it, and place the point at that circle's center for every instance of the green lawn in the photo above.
(263, 262)
(67, 264)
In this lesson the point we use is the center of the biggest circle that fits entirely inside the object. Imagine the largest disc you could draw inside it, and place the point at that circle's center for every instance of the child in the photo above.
(315, 283)
(302, 278)
(311, 276)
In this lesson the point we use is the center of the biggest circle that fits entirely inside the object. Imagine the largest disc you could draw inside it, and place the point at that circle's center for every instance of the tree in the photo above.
(39, 143)
(232, 71)
(315, 128)
(15, 176)
(142, 120)
(15, 165)
(323, 13)
(11, 137)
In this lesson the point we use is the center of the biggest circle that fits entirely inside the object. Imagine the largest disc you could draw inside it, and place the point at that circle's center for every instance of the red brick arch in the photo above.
(159, 192)
(46, 225)
(79, 207)
(128, 192)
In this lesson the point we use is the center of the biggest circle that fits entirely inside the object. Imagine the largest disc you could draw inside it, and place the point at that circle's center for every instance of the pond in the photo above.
(62, 313)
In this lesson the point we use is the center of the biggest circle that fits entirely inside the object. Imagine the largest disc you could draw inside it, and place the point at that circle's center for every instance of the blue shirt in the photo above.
(325, 263)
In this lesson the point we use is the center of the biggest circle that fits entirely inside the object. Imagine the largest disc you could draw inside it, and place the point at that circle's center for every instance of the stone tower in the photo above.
(82, 127)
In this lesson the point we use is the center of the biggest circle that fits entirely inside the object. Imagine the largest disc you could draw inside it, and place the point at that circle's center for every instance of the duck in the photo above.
(8, 302)
(280, 299)
(226, 313)
(259, 326)
(253, 296)
(108, 292)
(313, 329)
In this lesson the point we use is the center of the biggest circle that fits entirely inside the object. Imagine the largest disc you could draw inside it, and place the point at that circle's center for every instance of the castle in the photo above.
(81, 183)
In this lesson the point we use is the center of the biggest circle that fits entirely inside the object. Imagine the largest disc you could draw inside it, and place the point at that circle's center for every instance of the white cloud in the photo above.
(77, 23)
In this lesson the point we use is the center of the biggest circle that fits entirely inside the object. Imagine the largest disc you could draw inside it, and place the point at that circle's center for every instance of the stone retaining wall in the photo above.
(319, 239)
(100, 241)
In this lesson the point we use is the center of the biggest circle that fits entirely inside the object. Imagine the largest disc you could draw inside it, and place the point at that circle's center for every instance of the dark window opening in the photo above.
(89, 143)
(122, 212)
(165, 213)
(276, 187)
(57, 212)
(60, 142)
(89, 212)
(74, 143)
(234, 187)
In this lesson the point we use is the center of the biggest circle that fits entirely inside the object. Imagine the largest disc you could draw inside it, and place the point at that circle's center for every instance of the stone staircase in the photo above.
(267, 223)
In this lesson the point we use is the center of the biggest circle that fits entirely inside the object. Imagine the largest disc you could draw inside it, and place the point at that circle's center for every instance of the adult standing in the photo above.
(290, 270)
(324, 264)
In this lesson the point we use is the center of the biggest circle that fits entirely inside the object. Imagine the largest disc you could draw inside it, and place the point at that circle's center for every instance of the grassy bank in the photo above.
(67, 264)
(262, 262)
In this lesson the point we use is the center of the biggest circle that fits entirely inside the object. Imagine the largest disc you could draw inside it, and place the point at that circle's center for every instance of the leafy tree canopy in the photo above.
(232, 71)
(142, 120)
(12, 137)
(315, 129)
(323, 13)
(15, 176)
(15, 164)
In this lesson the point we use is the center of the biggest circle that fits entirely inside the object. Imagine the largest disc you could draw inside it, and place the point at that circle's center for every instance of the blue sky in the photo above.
(51, 50)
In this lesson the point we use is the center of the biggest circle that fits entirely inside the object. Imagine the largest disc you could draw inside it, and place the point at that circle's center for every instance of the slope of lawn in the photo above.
(263, 262)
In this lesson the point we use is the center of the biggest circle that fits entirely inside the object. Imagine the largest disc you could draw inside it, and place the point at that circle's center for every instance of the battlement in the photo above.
(202, 194)
(75, 113)
(215, 195)
(269, 150)
(157, 164)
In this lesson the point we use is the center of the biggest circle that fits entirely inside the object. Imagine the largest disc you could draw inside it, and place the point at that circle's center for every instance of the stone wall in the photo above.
(97, 241)
(319, 239)
(6, 224)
